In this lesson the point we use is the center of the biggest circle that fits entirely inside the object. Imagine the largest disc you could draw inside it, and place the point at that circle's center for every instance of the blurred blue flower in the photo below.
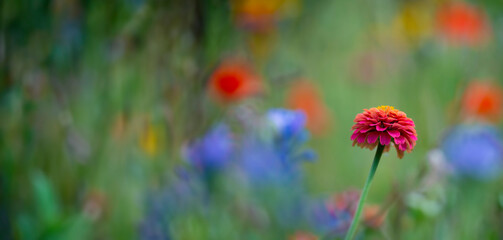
(154, 224)
(213, 151)
(274, 158)
(153, 230)
(290, 134)
(287, 123)
(181, 196)
(277, 185)
(262, 164)
(270, 157)
(474, 151)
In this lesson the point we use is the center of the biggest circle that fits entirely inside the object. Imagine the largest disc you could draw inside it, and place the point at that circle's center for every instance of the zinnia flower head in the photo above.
(234, 80)
(384, 125)
(483, 100)
(474, 151)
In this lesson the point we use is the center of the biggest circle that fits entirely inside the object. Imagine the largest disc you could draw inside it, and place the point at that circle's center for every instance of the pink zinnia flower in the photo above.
(386, 124)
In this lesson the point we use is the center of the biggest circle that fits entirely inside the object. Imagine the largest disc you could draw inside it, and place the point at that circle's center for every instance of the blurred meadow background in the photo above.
(231, 119)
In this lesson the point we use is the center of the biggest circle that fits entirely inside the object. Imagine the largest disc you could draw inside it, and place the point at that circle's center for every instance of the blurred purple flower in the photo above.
(474, 151)
(213, 151)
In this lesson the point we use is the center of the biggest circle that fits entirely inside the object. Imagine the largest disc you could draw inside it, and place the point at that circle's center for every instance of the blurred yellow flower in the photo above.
(413, 24)
(149, 140)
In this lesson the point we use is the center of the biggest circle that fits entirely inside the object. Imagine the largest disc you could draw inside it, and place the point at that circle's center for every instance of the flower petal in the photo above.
(361, 138)
(379, 128)
(394, 133)
(385, 138)
(399, 152)
(402, 147)
(413, 137)
(400, 140)
(354, 135)
(372, 137)
(364, 130)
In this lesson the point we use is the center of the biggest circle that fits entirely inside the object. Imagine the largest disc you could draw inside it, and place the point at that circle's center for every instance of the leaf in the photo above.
(47, 206)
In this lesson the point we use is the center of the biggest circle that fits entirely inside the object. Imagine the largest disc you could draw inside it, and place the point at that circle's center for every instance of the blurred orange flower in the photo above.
(347, 201)
(262, 15)
(234, 80)
(373, 216)
(119, 126)
(483, 100)
(460, 23)
(300, 235)
(304, 96)
(95, 204)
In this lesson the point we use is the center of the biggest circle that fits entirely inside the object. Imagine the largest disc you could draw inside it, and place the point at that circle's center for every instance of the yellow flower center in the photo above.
(386, 108)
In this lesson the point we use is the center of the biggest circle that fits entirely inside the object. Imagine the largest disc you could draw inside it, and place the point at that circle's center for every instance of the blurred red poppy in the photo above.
(483, 100)
(460, 23)
(304, 96)
(234, 80)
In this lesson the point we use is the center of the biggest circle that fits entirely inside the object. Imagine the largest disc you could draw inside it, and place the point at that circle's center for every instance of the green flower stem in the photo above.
(354, 223)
